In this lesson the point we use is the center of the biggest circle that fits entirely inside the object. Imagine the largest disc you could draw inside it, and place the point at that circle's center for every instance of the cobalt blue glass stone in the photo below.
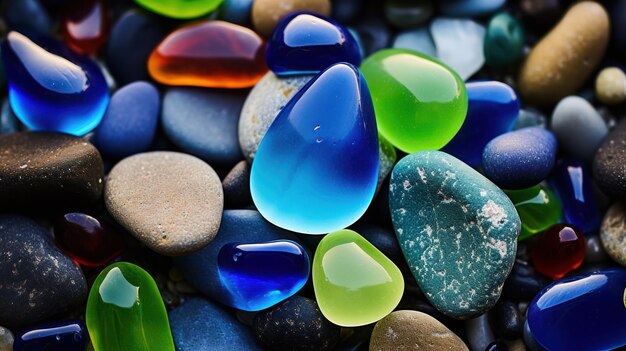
(67, 335)
(492, 110)
(572, 183)
(581, 313)
(308, 43)
(54, 90)
(316, 168)
(260, 275)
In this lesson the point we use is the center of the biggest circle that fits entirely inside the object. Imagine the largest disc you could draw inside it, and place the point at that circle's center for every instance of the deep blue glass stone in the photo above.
(54, 90)
(581, 313)
(68, 335)
(262, 274)
(492, 110)
(572, 183)
(316, 169)
(305, 42)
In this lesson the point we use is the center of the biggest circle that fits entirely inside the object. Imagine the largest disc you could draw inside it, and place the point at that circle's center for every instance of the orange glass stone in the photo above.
(212, 54)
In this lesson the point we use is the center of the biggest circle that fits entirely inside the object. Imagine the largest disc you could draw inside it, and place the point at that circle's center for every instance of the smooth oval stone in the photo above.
(596, 253)
(350, 273)
(407, 13)
(613, 232)
(457, 230)
(420, 103)
(200, 269)
(41, 281)
(236, 11)
(579, 127)
(418, 40)
(504, 40)
(453, 35)
(172, 215)
(611, 86)
(411, 330)
(54, 91)
(538, 207)
(130, 122)
(267, 13)
(326, 178)
(589, 309)
(48, 171)
(260, 275)
(210, 54)
(558, 251)
(305, 42)
(523, 283)
(521, 158)
(85, 26)
(609, 163)
(506, 320)
(202, 325)
(492, 108)
(68, 335)
(470, 8)
(125, 311)
(180, 9)
(236, 185)
(558, 66)
(204, 123)
(295, 323)
(479, 333)
(572, 182)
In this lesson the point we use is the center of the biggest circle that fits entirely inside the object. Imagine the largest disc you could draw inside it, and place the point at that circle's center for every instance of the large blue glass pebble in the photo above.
(492, 110)
(572, 183)
(581, 313)
(68, 335)
(469, 8)
(308, 43)
(261, 275)
(66, 93)
(316, 168)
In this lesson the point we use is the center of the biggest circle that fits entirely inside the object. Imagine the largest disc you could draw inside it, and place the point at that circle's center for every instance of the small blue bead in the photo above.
(261, 275)
(308, 43)
(68, 335)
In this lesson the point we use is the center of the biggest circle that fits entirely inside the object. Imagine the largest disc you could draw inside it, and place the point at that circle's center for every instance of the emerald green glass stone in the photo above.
(538, 207)
(180, 9)
(355, 284)
(504, 40)
(125, 311)
(420, 103)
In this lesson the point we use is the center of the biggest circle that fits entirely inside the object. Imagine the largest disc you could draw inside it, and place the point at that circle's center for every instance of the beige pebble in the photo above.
(613, 232)
(611, 86)
(6, 339)
(267, 13)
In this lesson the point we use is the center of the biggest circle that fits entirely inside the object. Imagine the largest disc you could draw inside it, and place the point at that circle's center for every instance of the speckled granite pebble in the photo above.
(170, 201)
(613, 232)
(458, 231)
(6, 339)
(609, 163)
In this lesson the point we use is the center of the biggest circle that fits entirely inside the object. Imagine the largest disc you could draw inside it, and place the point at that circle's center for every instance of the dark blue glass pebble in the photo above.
(493, 108)
(68, 335)
(308, 43)
(572, 183)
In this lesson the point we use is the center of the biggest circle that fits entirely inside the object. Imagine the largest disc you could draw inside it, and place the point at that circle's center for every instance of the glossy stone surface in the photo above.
(260, 275)
(469, 8)
(125, 311)
(558, 251)
(457, 231)
(68, 335)
(564, 313)
(85, 26)
(420, 103)
(538, 207)
(180, 9)
(210, 54)
(492, 110)
(454, 35)
(349, 273)
(316, 169)
(572, 183)
(86, 239)
(504, 40)
(55, 91)
(308, 43)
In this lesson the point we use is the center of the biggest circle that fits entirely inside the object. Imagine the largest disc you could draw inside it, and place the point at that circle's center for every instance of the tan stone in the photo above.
(611, 86)
(267, 13)
(613, 233)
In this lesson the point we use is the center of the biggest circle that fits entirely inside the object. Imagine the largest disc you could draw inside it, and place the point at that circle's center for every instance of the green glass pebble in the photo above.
(538, 207)
(125, 311)
(180, 9)
(420, 103)
(504, 40)
(355, 284)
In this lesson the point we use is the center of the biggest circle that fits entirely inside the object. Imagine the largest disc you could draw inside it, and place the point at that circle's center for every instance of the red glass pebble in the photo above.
(85, 26)
(87, 240)
(558, 251)
(212, 54)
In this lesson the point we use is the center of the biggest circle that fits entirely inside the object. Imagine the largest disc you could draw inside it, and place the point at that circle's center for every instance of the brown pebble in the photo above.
(613, 233)
(267, 13)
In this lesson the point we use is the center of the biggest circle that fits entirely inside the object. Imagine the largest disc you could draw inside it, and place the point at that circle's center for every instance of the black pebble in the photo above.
(506, 321)
(609, 163)
(236, 186)
(523, 283)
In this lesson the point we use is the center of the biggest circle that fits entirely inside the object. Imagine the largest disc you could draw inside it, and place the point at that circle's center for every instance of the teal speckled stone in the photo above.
(457, 230)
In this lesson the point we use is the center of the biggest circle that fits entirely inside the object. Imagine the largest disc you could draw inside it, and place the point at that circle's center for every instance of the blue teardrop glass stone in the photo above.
(68, 335)
(492, 110)
(54, 90)
(581, 313)
(263, 274)
(305, 42)
(316, 168)
(572, 183)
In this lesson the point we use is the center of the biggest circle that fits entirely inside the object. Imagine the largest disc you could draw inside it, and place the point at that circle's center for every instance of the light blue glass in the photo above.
(68, 335)
(54, 90)
(316, 169)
